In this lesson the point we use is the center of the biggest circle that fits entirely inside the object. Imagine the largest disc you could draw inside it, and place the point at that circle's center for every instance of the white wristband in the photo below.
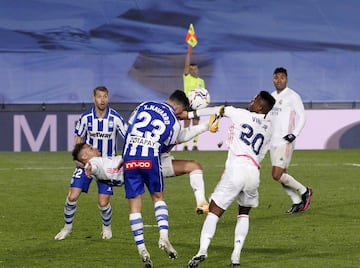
(191, 115)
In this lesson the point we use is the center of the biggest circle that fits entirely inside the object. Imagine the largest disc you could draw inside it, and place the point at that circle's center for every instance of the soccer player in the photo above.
(105, 169)
(191, 81)
(99, 127)
(288, 118)
(153, 129)
(249, 139)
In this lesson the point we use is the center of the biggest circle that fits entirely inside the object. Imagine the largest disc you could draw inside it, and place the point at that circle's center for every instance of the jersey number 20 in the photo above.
(255, 140)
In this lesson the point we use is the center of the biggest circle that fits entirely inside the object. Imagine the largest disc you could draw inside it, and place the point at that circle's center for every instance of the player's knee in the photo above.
(277, 172)
(73, 197)
(103, 202)
(194, 165)
(277, 175)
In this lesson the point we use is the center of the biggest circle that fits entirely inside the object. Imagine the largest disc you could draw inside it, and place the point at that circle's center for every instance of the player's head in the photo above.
(101, 89)
(101, 98)
(262, 103)
(280, 78)
(281, 70)
(83, 152)
(179, 101)
(194, 69)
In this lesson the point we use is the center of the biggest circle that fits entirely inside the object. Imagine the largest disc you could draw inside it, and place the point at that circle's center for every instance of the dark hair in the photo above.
(193, 64)
(77, 148)
(179, 97)
(268, 99)
(101, 88)
(280, 70)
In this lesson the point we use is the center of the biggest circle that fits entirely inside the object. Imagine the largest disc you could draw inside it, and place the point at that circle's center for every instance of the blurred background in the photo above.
(54, 53)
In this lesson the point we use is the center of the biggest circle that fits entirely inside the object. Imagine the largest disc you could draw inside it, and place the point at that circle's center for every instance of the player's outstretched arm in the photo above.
(188, 133)
(217, 110)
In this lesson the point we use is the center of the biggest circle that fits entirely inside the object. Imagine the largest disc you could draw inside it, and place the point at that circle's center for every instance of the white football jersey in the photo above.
(288, 115)
(105, 169)
(249, 134)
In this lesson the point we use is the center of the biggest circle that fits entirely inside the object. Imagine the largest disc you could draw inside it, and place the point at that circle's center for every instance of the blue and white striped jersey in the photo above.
(153, 128)
(101, 132)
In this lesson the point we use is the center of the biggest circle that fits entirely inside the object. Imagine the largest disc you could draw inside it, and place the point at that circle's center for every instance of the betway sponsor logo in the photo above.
(142, 164)
(100, 135)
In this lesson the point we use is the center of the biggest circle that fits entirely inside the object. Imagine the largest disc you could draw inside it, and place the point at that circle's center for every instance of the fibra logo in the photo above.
(113, 170)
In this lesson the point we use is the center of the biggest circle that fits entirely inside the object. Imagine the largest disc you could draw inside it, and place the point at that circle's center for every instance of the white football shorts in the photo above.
(166, 165)
(240, 181)
(280, 155)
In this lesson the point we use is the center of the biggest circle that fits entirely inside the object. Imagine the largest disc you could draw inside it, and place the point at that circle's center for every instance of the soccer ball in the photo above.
(199, 98)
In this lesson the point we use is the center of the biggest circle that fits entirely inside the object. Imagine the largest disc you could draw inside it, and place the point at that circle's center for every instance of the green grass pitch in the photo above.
(34, 186)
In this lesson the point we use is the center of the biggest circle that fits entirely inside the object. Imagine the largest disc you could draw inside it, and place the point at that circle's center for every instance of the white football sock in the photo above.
(208, 232)
(198, 186)
(290, 182)
(241, 231)
(293, 194)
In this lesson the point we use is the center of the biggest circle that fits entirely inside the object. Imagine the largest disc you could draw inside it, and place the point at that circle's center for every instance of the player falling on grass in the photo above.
(288, 118)
(105, 169)
(248, 140)
(99, 127)
(153, 129)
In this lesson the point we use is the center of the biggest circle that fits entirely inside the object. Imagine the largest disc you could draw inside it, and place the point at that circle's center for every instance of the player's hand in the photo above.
(79, 164)
(183, 115)
(289, 137)
(120, 164)
(88, 169)
(189, 51)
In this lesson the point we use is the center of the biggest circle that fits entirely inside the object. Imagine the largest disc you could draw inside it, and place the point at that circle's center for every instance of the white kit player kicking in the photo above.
(249, 138)
(104, 169)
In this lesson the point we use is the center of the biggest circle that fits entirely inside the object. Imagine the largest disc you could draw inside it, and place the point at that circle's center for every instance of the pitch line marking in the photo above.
(36, 168)
(150, 226)
(352, 164)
